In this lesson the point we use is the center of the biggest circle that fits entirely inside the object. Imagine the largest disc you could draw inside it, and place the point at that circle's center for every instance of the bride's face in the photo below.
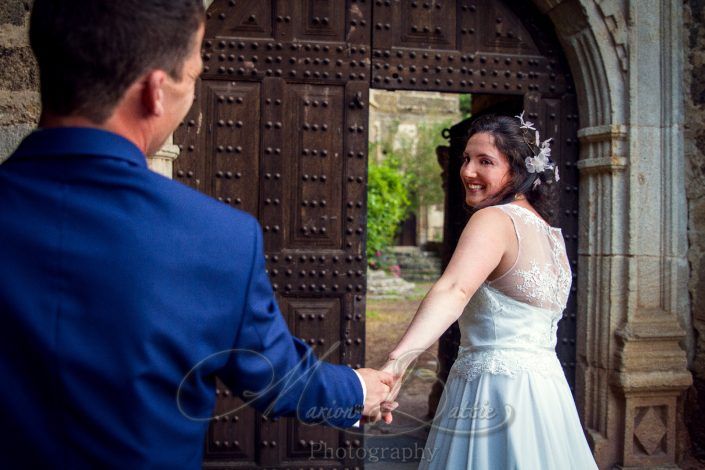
(485, 171)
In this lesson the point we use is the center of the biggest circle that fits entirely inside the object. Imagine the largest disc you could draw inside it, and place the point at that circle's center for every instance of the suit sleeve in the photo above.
(277, 373)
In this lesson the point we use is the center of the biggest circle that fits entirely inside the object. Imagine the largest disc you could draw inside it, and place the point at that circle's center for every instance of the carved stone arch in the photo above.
(632, 294)
(593, 38)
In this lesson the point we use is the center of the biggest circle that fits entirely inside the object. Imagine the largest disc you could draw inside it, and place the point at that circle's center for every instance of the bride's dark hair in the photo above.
(516, 144)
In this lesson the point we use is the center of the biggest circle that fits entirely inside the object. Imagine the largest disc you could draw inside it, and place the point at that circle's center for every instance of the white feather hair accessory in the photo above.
(540, 161)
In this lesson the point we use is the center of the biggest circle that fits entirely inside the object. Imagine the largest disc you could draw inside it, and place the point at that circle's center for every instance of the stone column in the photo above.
(163, 161)
(651, 366)
(632, 292)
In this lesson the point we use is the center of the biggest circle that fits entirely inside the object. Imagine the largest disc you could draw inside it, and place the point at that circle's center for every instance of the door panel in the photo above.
(279, 129)
(232, 139)
(315, 177)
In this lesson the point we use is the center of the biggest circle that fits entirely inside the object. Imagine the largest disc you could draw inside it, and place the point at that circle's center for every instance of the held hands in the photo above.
(396, 366)
(383, 386)
(379, 385)
(396, 369)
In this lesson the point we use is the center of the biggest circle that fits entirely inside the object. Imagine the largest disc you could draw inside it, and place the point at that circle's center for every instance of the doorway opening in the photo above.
(405, 203)
(414, 217)
(420, 135)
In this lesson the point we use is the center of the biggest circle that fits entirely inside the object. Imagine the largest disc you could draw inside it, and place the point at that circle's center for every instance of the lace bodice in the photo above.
(541, 274)
(510, 323)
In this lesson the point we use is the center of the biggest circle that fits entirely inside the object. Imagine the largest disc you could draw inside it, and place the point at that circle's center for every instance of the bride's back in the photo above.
(541, 274)
(511, 322)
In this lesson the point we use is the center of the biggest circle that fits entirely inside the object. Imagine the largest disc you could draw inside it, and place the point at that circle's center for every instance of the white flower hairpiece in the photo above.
(539, 162)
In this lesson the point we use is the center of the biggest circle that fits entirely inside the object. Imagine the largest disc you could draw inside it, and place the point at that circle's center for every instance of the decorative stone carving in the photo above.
(649, 437)
(632, 292)
(650, 428)
(613, 16)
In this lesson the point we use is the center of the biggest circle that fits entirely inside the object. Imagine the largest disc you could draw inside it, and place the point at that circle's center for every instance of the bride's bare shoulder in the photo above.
(491, 220)
(490, 215)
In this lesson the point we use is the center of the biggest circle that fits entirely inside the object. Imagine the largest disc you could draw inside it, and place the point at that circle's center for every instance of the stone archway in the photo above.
(633, 303)
(632, 294)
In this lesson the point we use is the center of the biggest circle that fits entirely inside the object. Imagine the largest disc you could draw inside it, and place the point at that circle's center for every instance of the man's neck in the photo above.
(48, 120)
(111, 125)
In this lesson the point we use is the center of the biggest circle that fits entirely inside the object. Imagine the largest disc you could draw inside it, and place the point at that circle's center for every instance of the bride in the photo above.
(506, 403)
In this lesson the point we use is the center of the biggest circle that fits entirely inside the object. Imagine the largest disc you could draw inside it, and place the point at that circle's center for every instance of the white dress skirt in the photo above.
(507, 404)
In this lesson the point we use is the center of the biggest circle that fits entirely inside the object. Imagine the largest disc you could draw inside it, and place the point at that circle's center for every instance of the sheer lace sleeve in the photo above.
(541, 275)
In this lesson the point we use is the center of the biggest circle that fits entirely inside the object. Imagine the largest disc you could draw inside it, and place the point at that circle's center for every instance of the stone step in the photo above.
(382, 284)
(416, 265)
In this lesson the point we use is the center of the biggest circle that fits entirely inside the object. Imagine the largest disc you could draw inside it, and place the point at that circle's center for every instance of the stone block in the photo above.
(14, 11)
(19, 70)
(19, 107)
(13, 36)
(427, 105)
(11, 136)
(384, 101)
(649, 437)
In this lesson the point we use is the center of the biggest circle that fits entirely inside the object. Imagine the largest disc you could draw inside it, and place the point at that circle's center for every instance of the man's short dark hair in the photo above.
(90, 51)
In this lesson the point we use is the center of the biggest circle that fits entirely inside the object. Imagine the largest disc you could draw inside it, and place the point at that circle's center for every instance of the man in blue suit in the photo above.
(123, 294)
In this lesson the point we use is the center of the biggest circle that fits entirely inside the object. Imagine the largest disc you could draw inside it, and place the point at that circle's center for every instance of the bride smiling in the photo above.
(507, 284)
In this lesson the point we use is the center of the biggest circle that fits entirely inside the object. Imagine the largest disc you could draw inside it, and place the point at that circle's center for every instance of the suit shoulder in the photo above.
(194, 203)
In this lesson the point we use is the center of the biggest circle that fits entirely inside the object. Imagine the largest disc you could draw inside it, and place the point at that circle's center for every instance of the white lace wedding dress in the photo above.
(506, 404)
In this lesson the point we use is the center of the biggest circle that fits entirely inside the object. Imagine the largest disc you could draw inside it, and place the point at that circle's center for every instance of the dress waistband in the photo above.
(491, 347)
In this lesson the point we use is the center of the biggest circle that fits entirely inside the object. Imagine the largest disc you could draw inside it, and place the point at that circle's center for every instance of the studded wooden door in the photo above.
(279, 129)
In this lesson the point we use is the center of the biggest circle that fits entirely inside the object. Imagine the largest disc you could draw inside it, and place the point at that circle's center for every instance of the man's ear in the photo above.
(153, 93)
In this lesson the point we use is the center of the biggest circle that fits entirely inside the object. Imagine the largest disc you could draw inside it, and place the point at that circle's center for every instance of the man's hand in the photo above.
(378, 385)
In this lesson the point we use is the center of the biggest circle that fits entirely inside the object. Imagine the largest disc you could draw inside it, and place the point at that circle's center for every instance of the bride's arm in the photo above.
(480, 249)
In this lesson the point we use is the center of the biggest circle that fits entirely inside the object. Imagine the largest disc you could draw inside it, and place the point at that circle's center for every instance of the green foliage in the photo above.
(422, 165)
(417, 160)
(406, 177)
(465, 105)
(387, 203)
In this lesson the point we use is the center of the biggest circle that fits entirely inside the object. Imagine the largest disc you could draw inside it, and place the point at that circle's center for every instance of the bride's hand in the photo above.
(396, 369)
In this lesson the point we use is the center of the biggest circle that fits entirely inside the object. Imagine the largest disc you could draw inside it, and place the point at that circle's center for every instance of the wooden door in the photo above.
(279, 129)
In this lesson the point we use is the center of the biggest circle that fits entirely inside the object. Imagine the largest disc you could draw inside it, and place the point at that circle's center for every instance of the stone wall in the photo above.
(694, 30)
(19, 86)
(19, 80)
(402, 112)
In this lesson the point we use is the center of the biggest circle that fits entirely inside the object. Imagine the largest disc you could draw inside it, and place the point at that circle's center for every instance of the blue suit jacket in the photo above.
(123, 295)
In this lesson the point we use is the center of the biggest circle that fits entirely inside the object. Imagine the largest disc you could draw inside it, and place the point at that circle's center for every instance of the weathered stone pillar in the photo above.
(651, 369)
(19, 78)
(694, 135)
(633, 273)
(163, 161)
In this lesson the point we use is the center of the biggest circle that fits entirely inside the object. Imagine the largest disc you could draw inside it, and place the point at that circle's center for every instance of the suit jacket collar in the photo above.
(58, 141)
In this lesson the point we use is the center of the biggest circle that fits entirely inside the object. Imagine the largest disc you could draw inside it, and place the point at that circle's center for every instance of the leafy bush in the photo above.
(405, 177)
(421, 164)
(416, 159)
(465, 105)
(387, 204)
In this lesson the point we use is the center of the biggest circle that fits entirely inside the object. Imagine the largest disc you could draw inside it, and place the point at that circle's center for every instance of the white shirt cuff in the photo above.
(364, 394)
